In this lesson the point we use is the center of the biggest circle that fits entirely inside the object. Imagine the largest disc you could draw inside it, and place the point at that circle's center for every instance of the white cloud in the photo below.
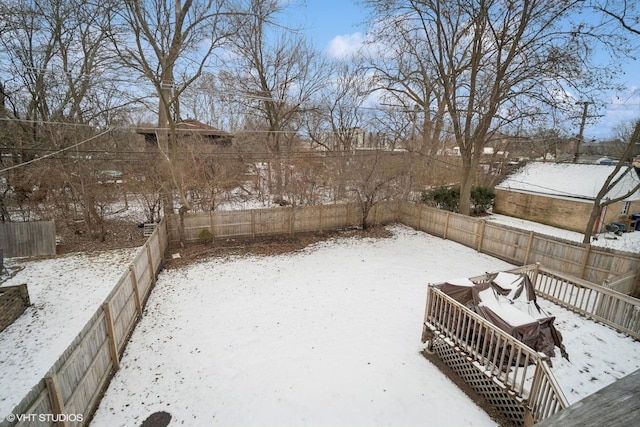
(621, 107)
(345, 45)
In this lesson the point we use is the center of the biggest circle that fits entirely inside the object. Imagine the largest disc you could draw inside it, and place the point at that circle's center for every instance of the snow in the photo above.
(504, 310)
(569, 180)
(65, 292)
(326, 336)
(628, 242)
(329, 335)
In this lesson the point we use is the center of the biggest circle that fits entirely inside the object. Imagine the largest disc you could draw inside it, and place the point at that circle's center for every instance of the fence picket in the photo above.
(595, 264)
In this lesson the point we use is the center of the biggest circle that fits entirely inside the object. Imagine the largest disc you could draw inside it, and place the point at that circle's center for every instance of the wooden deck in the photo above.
(615, 405)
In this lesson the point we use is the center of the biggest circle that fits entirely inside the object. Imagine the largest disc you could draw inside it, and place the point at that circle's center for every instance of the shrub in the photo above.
(482, 199)
(448, 198)
(442, 197)
(205, 236)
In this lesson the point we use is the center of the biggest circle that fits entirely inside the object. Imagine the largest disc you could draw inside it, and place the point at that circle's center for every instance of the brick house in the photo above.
(187, 131)
(562, 195)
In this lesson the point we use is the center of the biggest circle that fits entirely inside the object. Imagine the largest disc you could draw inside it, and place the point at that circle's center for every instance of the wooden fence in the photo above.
(75, 382)
(593, 264)
(289, 220)
(73, 386)
(21, 239)
(13, 301)
(619, 270)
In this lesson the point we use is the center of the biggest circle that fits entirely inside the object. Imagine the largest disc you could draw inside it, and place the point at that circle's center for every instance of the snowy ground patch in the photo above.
(326, 336)
(65, 292)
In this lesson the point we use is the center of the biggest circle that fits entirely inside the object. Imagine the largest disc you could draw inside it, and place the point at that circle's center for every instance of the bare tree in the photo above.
(626, 15)
(491, 63)
(276, 74)
(338, 117)
(623, 12)
(375, 176)
(623, 133)
(403, 68)
(59, 83)
(173, 41)
(622, 169)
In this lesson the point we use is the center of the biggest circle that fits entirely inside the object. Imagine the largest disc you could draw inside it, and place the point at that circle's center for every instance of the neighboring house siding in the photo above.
(558, 212)
(567, 214)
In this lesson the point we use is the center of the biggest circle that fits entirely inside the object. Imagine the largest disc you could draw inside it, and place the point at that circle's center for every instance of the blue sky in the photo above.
(336, 26)
(326, 19)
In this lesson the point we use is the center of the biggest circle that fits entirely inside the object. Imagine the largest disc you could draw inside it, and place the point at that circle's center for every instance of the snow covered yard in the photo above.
(326, 336)
(65, 292)
(598, 354)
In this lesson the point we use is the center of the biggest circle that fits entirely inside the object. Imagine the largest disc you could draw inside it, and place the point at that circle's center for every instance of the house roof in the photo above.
(190, 127)
(582, 181)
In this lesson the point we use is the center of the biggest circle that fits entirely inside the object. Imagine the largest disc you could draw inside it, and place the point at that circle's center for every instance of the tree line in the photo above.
(77, 75)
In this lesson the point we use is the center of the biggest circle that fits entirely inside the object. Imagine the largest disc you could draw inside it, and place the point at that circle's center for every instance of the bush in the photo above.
(448, 198)
(442, 197)
(205, 236)
(482, 199)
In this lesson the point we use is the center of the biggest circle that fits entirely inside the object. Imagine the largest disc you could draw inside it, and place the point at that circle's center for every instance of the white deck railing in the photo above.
(517, 368)
(511, 364)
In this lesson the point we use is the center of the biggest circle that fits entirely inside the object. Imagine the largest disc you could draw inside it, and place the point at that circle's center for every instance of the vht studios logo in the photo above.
(52, 418)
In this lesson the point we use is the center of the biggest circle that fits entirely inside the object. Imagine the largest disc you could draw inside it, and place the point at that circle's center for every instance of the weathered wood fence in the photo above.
(274, 221)
(13, 301)
(20, 239)
(76, 381)
(617, 269)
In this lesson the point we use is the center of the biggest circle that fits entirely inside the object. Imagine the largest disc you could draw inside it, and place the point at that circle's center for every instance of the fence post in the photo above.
(446, 225)
(152, 271)
(212, 224)
(427, 313)
(292, 218)
(55, 397)
(526, 255)
(346, 215)
(481, 235)
(534, 276)
(24, 294)
(585, 261)
(136, 291)
(253, 223)
(111, 335)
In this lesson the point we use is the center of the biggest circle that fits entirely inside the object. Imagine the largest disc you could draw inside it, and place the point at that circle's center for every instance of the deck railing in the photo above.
(515, 367)
(546, 397)
(620, 311)
(518, 369)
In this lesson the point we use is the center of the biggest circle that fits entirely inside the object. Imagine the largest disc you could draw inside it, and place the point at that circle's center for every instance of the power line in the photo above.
(55, 152)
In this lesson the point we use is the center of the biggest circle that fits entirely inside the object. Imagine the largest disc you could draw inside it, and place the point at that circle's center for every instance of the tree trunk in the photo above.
(466, 182)
(595, 214)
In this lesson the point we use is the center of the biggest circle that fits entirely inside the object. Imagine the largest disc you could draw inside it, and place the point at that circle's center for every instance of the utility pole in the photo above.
(585, 105)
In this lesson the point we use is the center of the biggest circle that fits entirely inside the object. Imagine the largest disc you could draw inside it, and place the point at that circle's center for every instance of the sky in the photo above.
(336, 27)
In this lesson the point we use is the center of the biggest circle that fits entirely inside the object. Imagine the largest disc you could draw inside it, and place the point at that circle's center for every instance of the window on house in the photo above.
(625, 208)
